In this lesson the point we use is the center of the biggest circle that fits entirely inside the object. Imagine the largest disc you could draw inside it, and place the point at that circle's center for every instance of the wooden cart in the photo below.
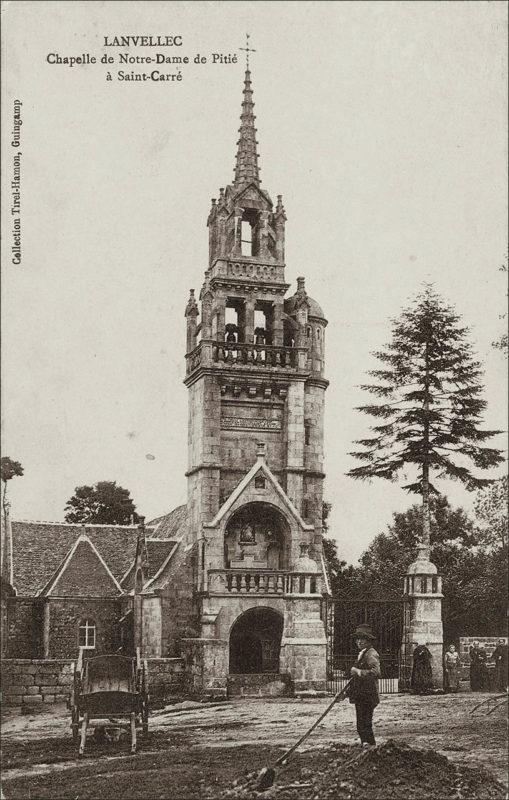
(109, 687)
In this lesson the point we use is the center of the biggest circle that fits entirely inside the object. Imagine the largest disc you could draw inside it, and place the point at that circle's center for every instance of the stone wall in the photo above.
(179, 612)
(24, 628)
(166, 678)
(466, 642)
(64, 618)
(28, 682)
(488, 642)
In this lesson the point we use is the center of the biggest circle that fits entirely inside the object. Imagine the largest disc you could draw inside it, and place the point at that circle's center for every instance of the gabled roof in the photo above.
(40, 548)
(259, 465)
(170, 526)
(83, 573)
(158, 551)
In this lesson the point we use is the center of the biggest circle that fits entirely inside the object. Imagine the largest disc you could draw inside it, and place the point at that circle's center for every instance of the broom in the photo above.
(267, 774)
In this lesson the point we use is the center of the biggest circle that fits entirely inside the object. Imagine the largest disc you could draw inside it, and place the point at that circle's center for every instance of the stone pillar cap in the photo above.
(304, 562)
(422, 565)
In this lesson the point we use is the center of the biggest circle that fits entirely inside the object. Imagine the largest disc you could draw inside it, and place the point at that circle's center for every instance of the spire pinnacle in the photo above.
(246, 165)
(248, 50)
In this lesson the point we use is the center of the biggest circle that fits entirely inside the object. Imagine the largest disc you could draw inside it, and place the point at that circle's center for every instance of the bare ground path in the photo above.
(190, 753)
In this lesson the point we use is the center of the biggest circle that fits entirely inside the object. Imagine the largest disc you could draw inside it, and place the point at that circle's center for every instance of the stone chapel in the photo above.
(234, 581)
(255, 377)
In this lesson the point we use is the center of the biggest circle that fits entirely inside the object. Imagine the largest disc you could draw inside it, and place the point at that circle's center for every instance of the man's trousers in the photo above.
(364, 713)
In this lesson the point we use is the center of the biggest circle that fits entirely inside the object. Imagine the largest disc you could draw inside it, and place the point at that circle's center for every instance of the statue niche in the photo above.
(255, 539)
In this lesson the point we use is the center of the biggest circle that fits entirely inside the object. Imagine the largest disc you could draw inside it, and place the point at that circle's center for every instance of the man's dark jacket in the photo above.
(364, 687)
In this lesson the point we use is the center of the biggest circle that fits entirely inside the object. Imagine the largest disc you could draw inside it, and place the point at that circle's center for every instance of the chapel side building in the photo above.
(255, 376)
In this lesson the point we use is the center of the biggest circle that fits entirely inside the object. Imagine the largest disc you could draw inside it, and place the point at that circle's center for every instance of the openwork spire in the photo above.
(246, 166)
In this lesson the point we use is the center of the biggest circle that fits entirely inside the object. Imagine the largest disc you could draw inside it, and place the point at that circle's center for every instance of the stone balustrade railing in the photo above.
(253, 581)
(211, 352)
(264, 355)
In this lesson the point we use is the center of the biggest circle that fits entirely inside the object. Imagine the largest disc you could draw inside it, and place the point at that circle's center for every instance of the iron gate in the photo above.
(386, 619)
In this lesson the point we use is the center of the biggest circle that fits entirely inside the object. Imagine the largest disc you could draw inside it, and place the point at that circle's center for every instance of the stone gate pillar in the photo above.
(423, 622)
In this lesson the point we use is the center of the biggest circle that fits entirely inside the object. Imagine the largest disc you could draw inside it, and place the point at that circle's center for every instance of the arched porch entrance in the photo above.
(255, 642)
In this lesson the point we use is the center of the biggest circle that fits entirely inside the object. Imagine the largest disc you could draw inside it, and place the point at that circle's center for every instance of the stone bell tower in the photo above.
(255, 375)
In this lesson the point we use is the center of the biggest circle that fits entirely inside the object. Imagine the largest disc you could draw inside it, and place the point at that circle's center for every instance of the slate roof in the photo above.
(170, 526)
(158, 552)
(39, 549)
(82, 574)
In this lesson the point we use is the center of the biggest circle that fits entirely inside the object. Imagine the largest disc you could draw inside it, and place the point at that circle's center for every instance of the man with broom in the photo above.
(363, 690)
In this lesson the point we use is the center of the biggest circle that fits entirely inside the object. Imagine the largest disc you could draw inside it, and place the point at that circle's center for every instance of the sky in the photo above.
(382, 124)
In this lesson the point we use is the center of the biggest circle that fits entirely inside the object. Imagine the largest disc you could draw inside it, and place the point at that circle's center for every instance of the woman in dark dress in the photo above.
(478, 672)
(422, 678)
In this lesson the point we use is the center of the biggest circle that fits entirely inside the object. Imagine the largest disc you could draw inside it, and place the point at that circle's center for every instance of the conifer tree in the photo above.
(430, 408)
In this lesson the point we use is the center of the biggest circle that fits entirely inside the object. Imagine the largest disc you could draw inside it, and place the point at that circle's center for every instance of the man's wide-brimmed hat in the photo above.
(364, 632)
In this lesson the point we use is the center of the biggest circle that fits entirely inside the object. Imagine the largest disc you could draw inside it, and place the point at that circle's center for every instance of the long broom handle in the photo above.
(334, 700)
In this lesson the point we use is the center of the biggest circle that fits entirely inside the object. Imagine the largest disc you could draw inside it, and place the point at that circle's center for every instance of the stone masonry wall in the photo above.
(65, 616)
(466, 642)
(28, 682)
(24, 628)
(179, 613)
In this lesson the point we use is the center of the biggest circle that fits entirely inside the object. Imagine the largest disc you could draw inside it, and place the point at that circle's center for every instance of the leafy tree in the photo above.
(430, 408)
(338, 570)
(9, 470)
(105, 503)
(491, 510)
(474, 578)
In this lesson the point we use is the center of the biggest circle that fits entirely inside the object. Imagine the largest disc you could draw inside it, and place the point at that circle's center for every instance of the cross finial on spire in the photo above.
(248, 50)
(246, 166)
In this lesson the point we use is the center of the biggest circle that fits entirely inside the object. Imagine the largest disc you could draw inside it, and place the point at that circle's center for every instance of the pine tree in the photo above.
(430, 410)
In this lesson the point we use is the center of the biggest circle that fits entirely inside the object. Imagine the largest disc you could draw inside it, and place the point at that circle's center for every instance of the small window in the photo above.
(307, 431)
(86, 634)
(259, 482)
(309, 333)
(424, 585)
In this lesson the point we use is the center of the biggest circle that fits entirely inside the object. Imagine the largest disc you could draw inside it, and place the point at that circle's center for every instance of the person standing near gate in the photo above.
(500, 656)
(452, 669)
(363, 691)
(421, 681)
(477, 668)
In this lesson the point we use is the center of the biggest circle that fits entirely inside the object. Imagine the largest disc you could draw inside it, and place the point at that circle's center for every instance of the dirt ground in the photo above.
(199, 753)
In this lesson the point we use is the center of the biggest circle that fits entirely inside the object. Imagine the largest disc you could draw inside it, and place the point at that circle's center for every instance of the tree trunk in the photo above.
(426, 525)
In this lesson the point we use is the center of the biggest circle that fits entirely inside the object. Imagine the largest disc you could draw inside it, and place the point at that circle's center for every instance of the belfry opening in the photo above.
(255, 642)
